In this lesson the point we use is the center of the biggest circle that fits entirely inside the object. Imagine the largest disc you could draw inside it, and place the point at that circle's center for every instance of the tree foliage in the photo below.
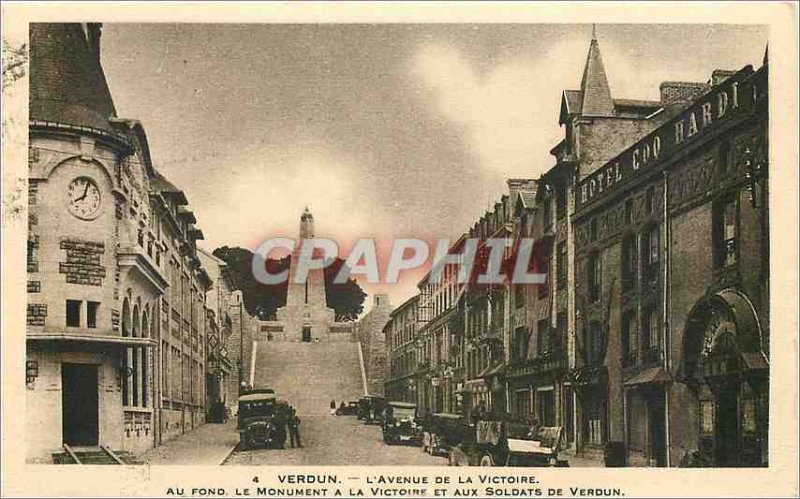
(262, 300)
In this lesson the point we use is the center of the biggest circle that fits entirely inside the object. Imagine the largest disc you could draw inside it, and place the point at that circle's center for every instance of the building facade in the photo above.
(672, 261)
(116, 309)
(368, 331)
(649, 339)
(401, 334)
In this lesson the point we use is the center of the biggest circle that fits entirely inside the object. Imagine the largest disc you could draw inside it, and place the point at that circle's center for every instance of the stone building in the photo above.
(369, 333)
(401, 336)
(116, 297)
(672, 266)
(221, 381)
(439, 338)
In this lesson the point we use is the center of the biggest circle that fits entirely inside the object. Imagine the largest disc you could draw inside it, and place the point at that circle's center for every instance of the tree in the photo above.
(262, 300)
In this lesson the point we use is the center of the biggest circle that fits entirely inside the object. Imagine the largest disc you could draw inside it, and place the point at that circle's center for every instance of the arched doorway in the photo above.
(724, 365)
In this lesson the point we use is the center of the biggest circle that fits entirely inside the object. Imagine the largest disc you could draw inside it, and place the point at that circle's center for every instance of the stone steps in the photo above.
(309, 375)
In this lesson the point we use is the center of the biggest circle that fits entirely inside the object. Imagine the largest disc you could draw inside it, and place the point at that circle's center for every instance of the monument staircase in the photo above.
(309, 375)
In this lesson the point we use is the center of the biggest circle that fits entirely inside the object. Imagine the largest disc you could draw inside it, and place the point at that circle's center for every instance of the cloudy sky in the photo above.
(386, 130)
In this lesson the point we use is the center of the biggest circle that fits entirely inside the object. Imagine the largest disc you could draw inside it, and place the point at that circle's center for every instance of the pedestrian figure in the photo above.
(333, 407)
(294, 430)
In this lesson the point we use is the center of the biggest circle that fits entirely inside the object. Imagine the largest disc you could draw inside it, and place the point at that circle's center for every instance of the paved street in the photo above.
(206, 445)
(338, 440)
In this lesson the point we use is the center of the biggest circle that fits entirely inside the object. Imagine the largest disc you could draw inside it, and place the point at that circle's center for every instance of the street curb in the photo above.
(228, 455)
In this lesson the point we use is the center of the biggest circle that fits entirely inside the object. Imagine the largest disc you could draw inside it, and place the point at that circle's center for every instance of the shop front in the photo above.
(727, 371)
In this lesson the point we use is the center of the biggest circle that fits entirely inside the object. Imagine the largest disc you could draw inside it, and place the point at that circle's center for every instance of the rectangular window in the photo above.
(725, 232)
(650, 255)
(628, 339)
(73, 313)
(560, 336)
(628, 211)
(651, 336)
(547, 217)
(707, 417)
(594, 272)
(629, 263)
(91, 313)
(519, 295)
(544, 268)
(561, 265)
(561, 202)
(543, 338)
(650, 201)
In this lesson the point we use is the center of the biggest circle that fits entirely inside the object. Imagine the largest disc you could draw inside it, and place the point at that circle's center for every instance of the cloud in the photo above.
(511, 110)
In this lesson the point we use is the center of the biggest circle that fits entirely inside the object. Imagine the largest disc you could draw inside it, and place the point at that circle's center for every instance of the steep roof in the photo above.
(67, 84)
(594, 84)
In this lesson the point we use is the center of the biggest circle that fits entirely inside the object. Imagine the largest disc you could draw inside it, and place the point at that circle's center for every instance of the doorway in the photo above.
(658, 430)
(727, 430)
(79, 402)
(307, 334)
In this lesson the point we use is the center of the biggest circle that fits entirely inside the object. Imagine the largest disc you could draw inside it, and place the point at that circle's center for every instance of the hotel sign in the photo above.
(735, 95)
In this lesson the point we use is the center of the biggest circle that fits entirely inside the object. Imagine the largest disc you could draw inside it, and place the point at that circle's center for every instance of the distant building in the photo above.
(401, 336)
(369, 333)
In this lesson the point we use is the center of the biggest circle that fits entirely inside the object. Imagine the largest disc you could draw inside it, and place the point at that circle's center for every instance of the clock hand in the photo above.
(85, 191)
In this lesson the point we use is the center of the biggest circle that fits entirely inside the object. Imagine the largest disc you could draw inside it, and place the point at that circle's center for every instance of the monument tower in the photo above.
(306, 315)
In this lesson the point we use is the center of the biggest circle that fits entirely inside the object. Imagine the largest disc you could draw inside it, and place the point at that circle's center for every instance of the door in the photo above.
(658, 433)
(307, 334)
(79, 422)
(727, 434)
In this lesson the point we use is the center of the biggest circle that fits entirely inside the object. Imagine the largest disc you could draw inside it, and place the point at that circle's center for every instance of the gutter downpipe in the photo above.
(665, 312)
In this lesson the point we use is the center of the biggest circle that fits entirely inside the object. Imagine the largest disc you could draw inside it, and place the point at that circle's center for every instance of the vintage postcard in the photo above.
(400, 250)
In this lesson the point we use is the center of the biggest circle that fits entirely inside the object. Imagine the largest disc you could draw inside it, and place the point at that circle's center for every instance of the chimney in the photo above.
(93, 31)
(677, 94)
(720, 75)
(517, 185)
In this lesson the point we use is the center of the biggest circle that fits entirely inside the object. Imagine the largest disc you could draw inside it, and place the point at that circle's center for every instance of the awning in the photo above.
(755, 361)
(648, 375)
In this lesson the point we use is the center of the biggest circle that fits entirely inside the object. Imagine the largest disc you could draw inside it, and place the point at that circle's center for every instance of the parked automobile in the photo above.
(262, 420)
(443, 431)
(400, 423)
(351, 409)
(370, 408)
(505, 443)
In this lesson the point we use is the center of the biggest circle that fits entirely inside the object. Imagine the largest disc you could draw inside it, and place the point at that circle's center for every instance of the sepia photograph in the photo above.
(396, 244)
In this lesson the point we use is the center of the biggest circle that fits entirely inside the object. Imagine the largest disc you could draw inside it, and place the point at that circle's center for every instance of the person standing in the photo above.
(333, 407)
(294, 430)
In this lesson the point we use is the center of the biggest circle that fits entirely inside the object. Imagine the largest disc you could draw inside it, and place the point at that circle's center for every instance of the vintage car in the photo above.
(370, 409)
(262, 420)
(351, 409)
(504, 443)
(400, 423)
(443, 431)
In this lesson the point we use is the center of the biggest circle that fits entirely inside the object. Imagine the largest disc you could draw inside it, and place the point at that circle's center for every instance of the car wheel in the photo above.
(486, 460)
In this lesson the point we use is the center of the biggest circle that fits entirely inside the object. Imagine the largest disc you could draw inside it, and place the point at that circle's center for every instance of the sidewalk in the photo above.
(206, 445)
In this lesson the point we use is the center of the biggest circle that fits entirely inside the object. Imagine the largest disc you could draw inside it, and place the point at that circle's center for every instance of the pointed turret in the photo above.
(67, 84)
(595, 91)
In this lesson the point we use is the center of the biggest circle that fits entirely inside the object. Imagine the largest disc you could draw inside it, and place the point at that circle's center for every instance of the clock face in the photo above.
(84, 198)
